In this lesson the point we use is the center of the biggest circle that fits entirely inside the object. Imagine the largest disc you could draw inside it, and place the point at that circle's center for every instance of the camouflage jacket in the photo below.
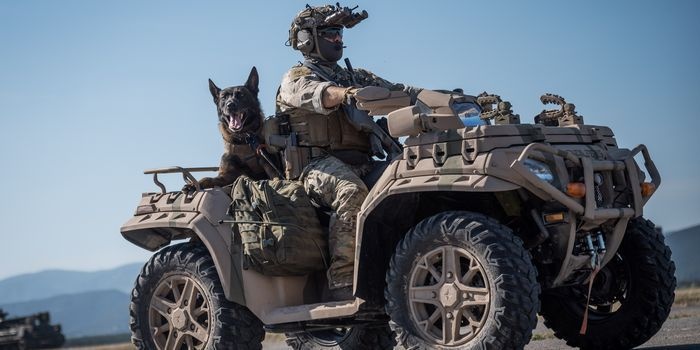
(329, 129)
(301, 88)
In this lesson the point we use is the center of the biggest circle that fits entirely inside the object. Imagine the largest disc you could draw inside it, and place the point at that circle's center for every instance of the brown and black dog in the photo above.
(241, 124)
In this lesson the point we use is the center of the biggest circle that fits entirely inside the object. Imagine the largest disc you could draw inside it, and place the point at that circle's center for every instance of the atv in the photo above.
(478, 225)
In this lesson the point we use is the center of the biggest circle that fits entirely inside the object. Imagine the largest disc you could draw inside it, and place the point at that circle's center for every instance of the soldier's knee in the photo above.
(348, 201)
(352, 191)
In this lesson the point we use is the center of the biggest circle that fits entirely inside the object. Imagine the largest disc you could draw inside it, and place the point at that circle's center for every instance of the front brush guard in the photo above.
(588, 209)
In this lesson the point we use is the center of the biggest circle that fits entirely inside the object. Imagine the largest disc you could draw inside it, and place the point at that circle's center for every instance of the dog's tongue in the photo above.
(235, 123)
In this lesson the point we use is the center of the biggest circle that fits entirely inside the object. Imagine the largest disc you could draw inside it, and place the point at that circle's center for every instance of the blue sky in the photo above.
(94, 92)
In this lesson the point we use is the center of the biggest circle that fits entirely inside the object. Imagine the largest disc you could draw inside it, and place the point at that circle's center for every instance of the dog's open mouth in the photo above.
(235, 121)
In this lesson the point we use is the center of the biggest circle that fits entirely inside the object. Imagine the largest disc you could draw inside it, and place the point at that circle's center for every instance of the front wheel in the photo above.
(630, 300)
(461, 280)
(178, 303)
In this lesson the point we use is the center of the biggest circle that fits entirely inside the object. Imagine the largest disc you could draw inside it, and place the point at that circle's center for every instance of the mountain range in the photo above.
(49, 283)
(84, 303)
(684, 246)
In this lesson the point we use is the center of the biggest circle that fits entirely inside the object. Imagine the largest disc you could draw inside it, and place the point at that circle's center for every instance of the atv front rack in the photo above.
(186, 175)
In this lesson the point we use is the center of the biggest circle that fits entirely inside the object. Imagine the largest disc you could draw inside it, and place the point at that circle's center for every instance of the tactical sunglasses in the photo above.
(330, 32)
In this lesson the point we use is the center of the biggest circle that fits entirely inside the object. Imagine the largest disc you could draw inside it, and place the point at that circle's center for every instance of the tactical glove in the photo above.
(349, 94)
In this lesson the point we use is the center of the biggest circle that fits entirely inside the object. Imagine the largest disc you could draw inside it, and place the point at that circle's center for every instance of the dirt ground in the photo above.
(680, 332)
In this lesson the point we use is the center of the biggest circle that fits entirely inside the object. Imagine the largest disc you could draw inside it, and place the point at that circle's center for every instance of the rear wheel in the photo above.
(178, 303)
(630, 300)
(461, 280)
(346, 338)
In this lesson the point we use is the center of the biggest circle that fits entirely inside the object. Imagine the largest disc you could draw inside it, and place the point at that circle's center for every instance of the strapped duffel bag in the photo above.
(278, 226)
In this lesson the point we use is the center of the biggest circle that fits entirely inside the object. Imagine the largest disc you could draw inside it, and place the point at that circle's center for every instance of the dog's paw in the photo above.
(188, 188)
(206, 182)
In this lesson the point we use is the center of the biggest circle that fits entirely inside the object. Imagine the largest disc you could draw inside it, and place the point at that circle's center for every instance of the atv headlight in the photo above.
(541, 170)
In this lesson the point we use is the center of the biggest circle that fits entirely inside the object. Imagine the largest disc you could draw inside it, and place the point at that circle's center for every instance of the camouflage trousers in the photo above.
(336, 185)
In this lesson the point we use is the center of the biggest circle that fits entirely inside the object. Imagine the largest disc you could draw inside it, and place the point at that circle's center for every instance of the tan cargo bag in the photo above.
(278, 226)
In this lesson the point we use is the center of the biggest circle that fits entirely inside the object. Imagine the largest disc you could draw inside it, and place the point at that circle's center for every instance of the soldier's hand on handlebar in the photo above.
(349, 94)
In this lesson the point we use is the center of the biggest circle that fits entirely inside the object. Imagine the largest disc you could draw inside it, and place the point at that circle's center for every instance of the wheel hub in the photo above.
(449, 295)
(179, 319)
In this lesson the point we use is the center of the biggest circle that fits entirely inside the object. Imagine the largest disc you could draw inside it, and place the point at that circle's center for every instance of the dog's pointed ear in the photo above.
(214, 91)
(252, 83)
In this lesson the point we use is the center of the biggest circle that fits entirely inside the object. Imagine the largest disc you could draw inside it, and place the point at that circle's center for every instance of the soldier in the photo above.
(335, 154)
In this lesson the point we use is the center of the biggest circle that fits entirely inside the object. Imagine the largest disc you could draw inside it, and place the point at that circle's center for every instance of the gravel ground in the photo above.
(680, 332)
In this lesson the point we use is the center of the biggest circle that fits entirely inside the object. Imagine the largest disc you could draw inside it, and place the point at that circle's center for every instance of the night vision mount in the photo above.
(332, 16)
(305, 25)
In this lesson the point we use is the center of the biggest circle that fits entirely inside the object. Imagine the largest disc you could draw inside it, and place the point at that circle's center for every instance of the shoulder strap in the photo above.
(253, 141)
(316, 69)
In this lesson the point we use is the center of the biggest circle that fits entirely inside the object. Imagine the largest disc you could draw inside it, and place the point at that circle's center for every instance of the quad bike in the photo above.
(469, 233)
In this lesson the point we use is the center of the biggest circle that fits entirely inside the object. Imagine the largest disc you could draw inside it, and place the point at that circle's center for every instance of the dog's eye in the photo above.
(237, 94)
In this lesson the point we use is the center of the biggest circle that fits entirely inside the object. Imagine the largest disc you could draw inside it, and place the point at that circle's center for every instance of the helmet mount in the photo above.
(304, 32)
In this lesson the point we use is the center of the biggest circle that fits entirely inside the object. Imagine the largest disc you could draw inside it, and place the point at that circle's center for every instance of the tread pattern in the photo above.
(515, 291)
(235, 327)
(362, 338)
(650, 299)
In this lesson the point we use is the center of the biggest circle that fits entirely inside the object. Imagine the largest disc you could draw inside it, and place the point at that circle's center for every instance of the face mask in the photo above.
(330, 51)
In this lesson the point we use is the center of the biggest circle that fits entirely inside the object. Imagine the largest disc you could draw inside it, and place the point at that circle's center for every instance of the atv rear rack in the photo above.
(186, 175)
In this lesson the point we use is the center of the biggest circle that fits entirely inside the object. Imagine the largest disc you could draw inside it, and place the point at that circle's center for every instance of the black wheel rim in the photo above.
(329, 337)
(610, 292)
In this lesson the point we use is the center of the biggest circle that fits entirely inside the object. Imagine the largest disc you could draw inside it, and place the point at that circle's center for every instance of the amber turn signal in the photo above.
(648, 189)
(553, 218)
(576, 189)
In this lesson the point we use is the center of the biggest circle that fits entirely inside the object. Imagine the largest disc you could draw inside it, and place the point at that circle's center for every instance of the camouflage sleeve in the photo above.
(367, 78)
(300, 88)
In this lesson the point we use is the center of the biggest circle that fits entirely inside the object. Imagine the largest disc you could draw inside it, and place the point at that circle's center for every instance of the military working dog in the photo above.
(241, 124)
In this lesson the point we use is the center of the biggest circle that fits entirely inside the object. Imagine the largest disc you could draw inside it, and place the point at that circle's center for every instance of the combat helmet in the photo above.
(304, 33)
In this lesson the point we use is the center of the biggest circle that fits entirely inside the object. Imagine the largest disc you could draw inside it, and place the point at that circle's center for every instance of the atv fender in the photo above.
(389, 185)
(163, 218)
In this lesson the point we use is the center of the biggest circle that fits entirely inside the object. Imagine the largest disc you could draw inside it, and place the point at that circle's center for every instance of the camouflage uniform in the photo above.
(336, 185)
(333, 178)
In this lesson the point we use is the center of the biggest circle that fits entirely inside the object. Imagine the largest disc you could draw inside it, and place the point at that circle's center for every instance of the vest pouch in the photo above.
(295, 160)
(351, 136)
(312, 129)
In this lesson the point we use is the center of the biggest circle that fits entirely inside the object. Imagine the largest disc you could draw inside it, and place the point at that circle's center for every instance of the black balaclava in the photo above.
(330, 52)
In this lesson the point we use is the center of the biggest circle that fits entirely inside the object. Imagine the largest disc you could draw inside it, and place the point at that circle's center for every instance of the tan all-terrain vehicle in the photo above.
(465, 237)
